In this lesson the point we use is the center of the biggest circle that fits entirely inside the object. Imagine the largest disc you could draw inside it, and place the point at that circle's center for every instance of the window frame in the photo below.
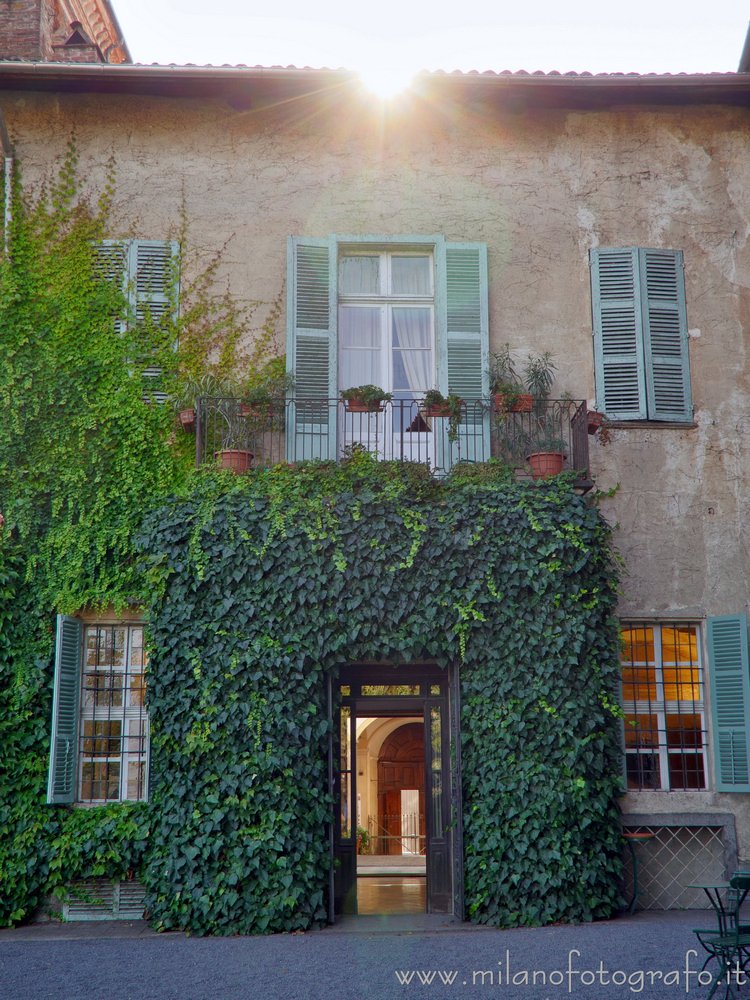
(461, 325)
(72, 711)
(662, 709)
(385, 300)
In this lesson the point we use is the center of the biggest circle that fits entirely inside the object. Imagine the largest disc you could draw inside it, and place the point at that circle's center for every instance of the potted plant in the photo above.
(595, 420)
(539, 375)
(506, 388)
(234, 454)
(264, 392)
(546, 450)
(193, 389)
(435, 404)
(363, 840)
(365, 398)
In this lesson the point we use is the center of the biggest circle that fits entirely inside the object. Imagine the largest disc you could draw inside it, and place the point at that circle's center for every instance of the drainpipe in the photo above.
(7, 150)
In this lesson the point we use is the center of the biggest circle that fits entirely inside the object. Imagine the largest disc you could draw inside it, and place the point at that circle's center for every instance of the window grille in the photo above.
(662, 695)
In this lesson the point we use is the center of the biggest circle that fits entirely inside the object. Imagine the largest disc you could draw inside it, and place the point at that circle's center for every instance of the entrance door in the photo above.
(422, 691)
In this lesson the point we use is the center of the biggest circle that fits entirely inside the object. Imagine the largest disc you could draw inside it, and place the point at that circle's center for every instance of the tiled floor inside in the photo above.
(384, 894)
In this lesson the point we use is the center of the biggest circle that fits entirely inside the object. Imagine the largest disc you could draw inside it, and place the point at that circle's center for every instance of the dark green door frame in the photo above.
(368, 690)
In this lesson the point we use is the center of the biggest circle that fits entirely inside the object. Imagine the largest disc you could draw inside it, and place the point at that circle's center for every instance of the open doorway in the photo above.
(391, 824)
(396, 788)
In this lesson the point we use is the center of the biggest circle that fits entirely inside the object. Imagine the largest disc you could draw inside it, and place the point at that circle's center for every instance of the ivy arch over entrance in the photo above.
(269, 585)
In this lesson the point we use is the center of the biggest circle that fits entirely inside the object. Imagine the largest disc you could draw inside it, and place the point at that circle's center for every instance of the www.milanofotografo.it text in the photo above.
(577, 974)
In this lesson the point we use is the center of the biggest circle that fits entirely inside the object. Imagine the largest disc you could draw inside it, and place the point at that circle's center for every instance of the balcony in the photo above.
(234, 434)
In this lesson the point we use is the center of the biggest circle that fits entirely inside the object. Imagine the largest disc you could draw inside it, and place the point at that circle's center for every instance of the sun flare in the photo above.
(386, 81)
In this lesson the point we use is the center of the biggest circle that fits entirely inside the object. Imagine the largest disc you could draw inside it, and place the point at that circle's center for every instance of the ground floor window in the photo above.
(662, 693)
(113, 734)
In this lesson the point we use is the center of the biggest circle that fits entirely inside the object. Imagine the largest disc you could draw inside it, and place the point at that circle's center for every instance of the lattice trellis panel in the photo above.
(675, 858)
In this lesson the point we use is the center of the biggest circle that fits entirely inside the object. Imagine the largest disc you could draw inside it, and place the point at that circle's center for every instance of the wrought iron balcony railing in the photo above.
(238, 435)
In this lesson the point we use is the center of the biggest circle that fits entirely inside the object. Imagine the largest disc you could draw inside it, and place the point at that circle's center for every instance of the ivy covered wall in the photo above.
(258, 587)
(266, 583)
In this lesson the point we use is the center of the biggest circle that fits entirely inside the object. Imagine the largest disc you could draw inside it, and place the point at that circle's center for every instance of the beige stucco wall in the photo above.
(540, 188)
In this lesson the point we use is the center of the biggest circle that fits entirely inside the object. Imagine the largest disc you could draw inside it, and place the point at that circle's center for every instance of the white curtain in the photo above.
(411, 344)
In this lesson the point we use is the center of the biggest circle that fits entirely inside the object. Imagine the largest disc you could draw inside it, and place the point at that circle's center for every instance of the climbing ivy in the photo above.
(264, 584)
(257, 588)
(84, 450)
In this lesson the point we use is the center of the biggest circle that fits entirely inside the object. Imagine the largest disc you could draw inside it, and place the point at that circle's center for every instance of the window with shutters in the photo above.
(662, 695)
(407, 314)
(147, 273)
(100, 723)
(640, 334)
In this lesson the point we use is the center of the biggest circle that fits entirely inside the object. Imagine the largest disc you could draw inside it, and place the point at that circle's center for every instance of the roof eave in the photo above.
(227, 81)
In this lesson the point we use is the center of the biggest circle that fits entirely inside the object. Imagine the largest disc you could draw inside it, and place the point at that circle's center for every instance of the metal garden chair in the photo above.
(728, 943)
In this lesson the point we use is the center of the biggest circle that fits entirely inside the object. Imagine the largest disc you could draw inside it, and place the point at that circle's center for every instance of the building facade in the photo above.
(600, 218)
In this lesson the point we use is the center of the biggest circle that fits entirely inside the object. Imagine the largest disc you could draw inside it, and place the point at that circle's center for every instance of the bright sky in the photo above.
(662, 36)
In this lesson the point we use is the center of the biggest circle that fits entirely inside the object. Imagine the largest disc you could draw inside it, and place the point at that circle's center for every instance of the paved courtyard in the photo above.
(648, 955)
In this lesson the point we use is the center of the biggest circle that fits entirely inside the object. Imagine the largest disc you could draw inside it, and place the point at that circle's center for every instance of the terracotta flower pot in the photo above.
(523, 404)
(255, 410)
(437, 411)
(357, 406)
(595, 420)
(234, 459)
(187, 419)
(544, 464)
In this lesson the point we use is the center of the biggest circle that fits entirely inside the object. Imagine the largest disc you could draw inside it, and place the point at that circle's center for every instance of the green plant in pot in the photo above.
(435, 404)
(539, 376)
(506, 388)
(191, 390)
(264, 391)
(363, 840)
(546, 449)
(365, 398)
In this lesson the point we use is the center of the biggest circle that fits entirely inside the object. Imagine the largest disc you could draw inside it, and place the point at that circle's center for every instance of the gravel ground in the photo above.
(648, 955)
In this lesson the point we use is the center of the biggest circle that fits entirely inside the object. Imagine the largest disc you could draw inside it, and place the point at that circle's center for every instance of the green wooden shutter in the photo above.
(312, 349)
(462, 341)
(152, 278)
(147, 271)
(618, 333)
(730, 701)
(61, 784)
(111, 262)
(665, 335)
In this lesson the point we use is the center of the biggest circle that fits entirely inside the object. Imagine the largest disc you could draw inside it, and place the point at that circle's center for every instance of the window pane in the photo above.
(679, 645)
(359, 326)
(643, 771)
(136, 780)
(638, 683)
(359, 368)
(411, 275)
(641, 731)
(411, 327)
(100, 781)
(389, 689)
(436, 772)
(686, 770)
(102, 739)
(102, 690)
(638, 643)
(681, 684)
(684, 731)
(359, 275)
(136, 690)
